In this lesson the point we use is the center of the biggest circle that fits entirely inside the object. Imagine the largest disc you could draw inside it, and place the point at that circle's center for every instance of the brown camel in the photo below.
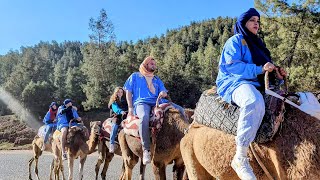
(164, 152)
(76, 147)
(37, 144)
(104, 155)
(293, 154)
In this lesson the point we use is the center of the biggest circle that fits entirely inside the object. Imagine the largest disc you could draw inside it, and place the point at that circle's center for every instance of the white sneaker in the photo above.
(146, 157)
(243, 169)
(111, 148)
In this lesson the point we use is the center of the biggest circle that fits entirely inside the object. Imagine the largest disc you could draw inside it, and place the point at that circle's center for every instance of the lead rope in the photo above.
(265, 170)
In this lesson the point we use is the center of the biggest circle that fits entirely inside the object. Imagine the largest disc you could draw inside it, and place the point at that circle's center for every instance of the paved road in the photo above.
(14, 166)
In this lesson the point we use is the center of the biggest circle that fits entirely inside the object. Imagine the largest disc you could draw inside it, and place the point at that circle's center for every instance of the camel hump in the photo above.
(56, 134)
(213, 112)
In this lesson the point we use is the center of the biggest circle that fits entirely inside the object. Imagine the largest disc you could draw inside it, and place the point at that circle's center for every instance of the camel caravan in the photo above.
(204, 147)
(147, 126)
(201, 147)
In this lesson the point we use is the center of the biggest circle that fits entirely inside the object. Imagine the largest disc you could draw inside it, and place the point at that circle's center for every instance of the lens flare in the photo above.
(15, 106)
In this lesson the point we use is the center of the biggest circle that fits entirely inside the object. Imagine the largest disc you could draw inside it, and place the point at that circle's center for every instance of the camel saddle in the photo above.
(131, 124)
(213, 112)
(106, 128)
(42, 131)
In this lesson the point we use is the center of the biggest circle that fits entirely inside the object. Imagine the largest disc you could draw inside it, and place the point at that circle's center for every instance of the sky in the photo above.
(27, 22)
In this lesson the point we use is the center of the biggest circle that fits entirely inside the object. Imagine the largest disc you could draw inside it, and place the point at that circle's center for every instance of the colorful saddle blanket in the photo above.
(107, 127)
(213, 112)
(131, 124)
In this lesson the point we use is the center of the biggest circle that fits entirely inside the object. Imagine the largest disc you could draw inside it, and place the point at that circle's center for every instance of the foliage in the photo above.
(187, 58)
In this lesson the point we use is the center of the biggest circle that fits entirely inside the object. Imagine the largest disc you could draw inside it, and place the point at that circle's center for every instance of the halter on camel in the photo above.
(312, 108)
(309, 105)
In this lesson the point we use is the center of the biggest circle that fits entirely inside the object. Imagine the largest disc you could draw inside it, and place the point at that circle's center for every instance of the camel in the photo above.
(293, 153)
(76, 147)
(37, 143)
(165, 151)
(104, 155)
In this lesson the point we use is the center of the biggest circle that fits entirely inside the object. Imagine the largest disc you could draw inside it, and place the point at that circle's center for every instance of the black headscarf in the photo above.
(259, 52)
(68, 111)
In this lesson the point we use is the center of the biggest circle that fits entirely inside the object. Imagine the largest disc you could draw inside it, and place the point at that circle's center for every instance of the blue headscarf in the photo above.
(52, 104)
(259, 52)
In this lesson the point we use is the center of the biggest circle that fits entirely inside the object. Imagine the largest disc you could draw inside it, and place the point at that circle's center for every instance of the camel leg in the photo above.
(51, 169)
(36, 167)
(70, 165)
(129, 159)
(142, 170)
(83, 158)
(30, 164)
(122, 175)
(61, 168)
(194, 168)
(159, 170)
(36, 154)
(107, 160)
(56, 168)
(178, 170)
(102, 154)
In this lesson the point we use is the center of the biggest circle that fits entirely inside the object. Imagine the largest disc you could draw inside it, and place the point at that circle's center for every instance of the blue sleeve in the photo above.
(75, 114)
(129, 83)
(234, 64)
(116, 108)
(161, 86)
(46, 118)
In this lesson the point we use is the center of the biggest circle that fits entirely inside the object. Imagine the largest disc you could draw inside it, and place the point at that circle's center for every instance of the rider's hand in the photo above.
(163, 94)
(130, 111)
(123, 112)
(281, 73)
(268, 67)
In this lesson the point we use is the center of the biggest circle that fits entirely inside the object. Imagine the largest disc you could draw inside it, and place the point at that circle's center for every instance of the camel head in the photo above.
(189, 113)
(76, 139)
(95, 127)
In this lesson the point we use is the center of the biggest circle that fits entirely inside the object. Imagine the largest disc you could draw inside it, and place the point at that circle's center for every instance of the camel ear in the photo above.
(74, 128)
(71, 129)
(95, 123)
(92, 123)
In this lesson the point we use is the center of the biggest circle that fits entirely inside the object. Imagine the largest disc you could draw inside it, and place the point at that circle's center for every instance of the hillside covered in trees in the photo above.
(187, 58)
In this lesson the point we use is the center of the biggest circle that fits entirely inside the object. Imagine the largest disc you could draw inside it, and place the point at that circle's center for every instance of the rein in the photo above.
(265, 170)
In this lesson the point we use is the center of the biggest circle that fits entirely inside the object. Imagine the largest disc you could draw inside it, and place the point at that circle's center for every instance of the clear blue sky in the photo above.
(27, 22)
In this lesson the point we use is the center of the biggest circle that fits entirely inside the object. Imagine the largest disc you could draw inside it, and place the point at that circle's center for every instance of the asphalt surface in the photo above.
(14, 166)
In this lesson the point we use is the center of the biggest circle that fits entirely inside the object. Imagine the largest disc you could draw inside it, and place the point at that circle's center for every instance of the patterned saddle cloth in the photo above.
(131, 125)
(42, 132)
(107, 127)
(213, 112)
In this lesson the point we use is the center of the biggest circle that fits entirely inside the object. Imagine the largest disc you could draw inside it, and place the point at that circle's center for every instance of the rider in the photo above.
(243, 61)
(119, 105)
(50, 122)
(142, 89)
(66, 113)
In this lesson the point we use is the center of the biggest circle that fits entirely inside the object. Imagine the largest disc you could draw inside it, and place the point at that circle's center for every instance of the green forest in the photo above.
(187, 58)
